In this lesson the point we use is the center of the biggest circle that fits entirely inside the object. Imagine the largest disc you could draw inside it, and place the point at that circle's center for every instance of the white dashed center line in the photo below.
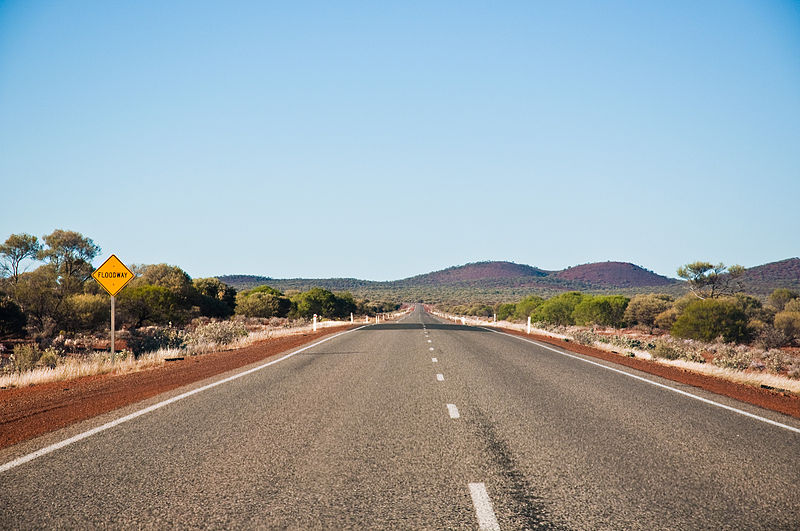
(483, 507)
(453, 410)
(440, 377)
(434, 360)
(429, 341)
(430, 348)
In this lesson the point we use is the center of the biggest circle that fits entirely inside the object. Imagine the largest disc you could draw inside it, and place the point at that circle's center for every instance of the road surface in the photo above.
(417, 424)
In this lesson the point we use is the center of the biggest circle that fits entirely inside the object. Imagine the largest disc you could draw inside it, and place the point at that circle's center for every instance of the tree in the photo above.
(216, 299)
(37, 294)
(149, 304)
(708, 281)
(708, 319)
(12, 320)
(17, 248)
(262, 304)
(315, 301)
(71, 253)
(644, 308)
(778, 298)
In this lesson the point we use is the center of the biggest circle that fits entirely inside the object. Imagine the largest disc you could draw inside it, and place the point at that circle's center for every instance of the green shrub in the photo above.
(788, 322)
(709, 319)
(643, 309)
(524, 308)
(603, 310)
(779, 297)
(25, 357)
(262, 304)
(51, 357)
(558, 310)
(504, 311)
(216, 333)
(88, 311)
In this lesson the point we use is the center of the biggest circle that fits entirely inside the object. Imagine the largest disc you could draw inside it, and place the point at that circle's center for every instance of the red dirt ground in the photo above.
(27, 412)
(786, 403)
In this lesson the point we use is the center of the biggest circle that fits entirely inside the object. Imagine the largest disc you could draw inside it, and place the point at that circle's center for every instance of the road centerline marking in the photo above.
(487, 521)
(453, 410)
(435, 360)
(657, 384)
(440, 377)
(108, 425)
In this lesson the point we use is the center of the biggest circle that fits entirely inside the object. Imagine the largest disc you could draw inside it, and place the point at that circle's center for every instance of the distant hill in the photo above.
(616, 274)
(477, 271)
(485, 281)
(763, 279)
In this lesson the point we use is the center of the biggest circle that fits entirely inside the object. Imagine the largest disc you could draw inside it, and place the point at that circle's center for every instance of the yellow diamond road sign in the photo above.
(112, 275)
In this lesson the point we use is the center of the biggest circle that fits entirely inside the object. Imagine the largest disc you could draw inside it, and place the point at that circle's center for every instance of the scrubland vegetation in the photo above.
(55, 317)
(714, 323)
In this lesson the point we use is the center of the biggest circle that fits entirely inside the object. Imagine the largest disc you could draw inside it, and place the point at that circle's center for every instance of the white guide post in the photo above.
(315, 322)
(351, 317)
(529, 324)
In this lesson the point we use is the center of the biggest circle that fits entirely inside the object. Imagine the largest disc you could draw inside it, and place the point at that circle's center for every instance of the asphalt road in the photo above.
(358, 433)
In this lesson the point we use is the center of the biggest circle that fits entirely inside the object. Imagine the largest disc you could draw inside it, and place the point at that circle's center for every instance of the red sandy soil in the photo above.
(27, 412)
(783, 402)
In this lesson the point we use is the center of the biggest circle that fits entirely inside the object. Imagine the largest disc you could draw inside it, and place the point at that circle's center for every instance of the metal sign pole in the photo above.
(113, 326)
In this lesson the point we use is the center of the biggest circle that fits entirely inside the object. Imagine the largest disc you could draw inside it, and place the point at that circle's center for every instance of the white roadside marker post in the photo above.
(315, 322)
(529, 324)
(351, 317)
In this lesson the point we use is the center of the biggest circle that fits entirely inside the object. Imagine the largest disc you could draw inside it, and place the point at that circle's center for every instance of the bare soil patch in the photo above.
(28, 412)
(782, 402)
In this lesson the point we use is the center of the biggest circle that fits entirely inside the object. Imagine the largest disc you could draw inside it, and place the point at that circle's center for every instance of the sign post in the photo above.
(113, 275)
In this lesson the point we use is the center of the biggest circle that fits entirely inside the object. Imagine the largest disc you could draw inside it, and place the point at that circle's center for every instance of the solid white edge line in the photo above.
(94, 431)
(453, 410)
(487, 521)
(657, 384)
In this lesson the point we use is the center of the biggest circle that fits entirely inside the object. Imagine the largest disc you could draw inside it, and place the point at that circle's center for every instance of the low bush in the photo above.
(732, 358)
(154, 338)
(51, 357)
(585, 337)
(216, 333)
(665, 351)
(25, 357)
(708, 319)
(775, 361)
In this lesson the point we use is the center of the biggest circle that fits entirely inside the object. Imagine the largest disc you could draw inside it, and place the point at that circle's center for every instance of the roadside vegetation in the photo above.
(715, 325)
(55, 319)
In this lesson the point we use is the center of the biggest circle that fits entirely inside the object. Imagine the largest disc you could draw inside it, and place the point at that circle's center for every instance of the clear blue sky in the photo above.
(380, 140)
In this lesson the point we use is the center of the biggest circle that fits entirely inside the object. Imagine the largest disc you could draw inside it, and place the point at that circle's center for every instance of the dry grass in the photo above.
(100, 363)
